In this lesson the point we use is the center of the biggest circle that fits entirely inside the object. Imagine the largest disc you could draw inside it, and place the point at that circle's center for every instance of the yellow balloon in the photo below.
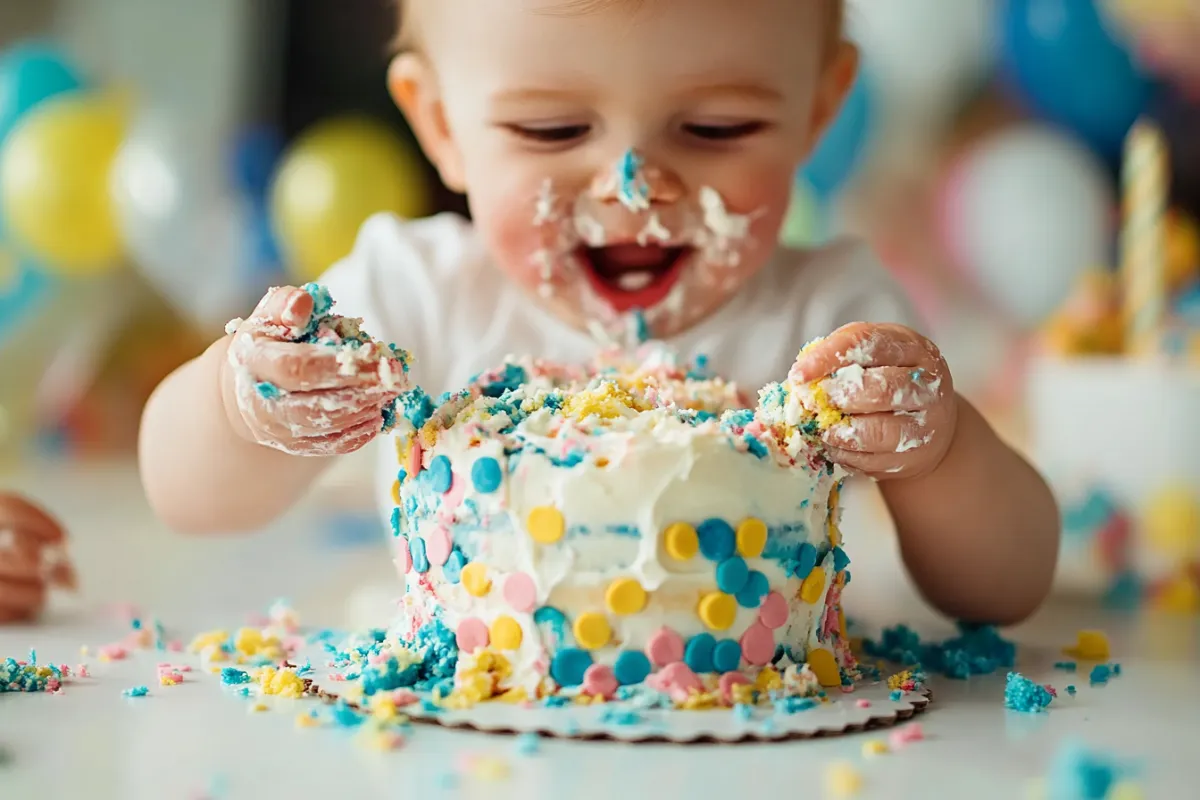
(54, 171)
(332, 179)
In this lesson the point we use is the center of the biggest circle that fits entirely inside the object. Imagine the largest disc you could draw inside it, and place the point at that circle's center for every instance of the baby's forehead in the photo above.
(451, 18)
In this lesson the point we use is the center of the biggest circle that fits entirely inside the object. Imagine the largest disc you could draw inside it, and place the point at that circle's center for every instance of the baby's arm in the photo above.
(979, 533)
(223, 438)
(199, 473)
(978, 527)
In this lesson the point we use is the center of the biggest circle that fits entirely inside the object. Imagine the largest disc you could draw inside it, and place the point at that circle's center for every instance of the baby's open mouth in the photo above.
(629, 276)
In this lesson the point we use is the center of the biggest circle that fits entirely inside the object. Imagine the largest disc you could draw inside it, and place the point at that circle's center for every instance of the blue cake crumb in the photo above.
(977, 650)
(1080, 773)
(1022, 694)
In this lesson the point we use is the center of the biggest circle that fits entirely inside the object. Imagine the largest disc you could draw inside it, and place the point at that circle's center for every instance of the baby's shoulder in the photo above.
(836, 283)
(440, 247)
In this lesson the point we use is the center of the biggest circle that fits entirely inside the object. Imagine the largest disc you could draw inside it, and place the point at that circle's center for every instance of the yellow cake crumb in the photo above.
(842, 780)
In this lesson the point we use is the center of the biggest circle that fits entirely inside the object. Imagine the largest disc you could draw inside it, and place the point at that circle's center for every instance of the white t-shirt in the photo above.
(429, 286)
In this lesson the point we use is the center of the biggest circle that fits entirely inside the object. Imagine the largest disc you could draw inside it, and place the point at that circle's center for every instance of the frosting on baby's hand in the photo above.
(310, 382)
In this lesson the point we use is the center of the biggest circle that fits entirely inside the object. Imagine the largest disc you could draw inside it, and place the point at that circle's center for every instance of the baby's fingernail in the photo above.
(297, 310)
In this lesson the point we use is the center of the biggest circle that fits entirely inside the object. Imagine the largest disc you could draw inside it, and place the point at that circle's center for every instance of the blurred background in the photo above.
(162, 162)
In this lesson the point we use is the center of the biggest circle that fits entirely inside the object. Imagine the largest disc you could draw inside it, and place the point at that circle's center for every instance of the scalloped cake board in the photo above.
(609, 721)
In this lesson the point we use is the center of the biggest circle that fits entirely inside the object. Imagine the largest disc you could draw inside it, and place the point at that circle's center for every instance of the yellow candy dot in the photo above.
(814, 584)
(475, 579)
(751, 537)
(396, 493)
(592, 630)
(717, 610)
(625, 596)
(546, 524)
(681, 541)
(505, 633)
(824, 667)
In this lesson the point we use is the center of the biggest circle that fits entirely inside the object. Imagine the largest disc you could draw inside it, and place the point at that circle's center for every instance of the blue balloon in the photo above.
(255, 155)
(30, 73)
(840, 150)
(1065, 62)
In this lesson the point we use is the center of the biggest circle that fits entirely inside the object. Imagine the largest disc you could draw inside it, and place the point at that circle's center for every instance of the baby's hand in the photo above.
(893, 393)
(32, 559)
(302, 398)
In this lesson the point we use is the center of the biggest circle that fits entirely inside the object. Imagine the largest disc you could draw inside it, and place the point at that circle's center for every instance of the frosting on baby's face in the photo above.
(620, 161)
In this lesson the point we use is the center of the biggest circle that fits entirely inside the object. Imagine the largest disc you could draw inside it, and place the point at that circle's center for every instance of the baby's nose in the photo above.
(636, 185)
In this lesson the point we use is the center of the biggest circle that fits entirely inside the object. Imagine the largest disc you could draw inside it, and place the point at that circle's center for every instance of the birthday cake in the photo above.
(632, 524)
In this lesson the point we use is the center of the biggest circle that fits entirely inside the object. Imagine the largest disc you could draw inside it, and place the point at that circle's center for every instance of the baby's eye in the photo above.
(555, 134)
(723, 133)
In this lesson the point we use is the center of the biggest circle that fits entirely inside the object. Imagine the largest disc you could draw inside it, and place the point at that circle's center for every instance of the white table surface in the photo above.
(91, 742)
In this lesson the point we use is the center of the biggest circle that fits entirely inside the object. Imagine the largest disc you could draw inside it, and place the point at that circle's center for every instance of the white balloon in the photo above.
(1031, 210)
(925, 56)
(182, 220)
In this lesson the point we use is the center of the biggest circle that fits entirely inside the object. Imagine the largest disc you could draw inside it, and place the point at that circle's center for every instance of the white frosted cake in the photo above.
(575, 531)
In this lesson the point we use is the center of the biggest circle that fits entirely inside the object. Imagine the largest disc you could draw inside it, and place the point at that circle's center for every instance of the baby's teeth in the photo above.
(634, 280)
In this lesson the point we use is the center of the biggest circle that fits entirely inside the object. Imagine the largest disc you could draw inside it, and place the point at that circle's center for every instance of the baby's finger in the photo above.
(285, 305)
(862, 344)
(23, 562)
(21, 600)
(873, 464)
(295, 367)
(342, 443)
(880, 433)
(858, 390)
(316, 414)
(25, 518)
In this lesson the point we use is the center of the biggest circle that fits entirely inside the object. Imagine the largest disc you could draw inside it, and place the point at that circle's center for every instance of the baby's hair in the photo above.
(407, 26)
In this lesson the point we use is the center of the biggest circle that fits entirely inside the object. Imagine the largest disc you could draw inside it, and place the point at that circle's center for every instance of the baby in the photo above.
(625, 163)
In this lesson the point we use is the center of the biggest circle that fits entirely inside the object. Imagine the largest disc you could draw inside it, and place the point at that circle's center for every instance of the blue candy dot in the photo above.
(631, 667)
(452, 569)
(806, 559)
(416, 549)
(717, 539)
(698, 654)
(847, 578)
(550, 617)
(395, 521)
(840, 559)
(756, 588)
(568, 666)
(732, 574)
(486, 475)
(727, 655)
(440, 475)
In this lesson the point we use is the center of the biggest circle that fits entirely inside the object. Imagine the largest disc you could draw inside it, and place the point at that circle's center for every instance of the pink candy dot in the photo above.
(862, 703)
(414, 460)
(676, 681)
(600, 681)
(774, 611)
(403, 559)
(438, 546)
(471, 635)
(758, 645)
(665, 647)
(730, 680)
(520, 593)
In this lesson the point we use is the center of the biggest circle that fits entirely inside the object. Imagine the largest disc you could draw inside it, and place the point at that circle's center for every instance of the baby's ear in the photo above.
(415, 89)
(837, 76)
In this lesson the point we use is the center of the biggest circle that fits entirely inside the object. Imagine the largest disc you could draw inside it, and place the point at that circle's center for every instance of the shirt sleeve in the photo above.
(396, 280)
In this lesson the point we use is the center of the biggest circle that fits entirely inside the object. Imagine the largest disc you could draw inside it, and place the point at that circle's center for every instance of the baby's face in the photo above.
(623, 161)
